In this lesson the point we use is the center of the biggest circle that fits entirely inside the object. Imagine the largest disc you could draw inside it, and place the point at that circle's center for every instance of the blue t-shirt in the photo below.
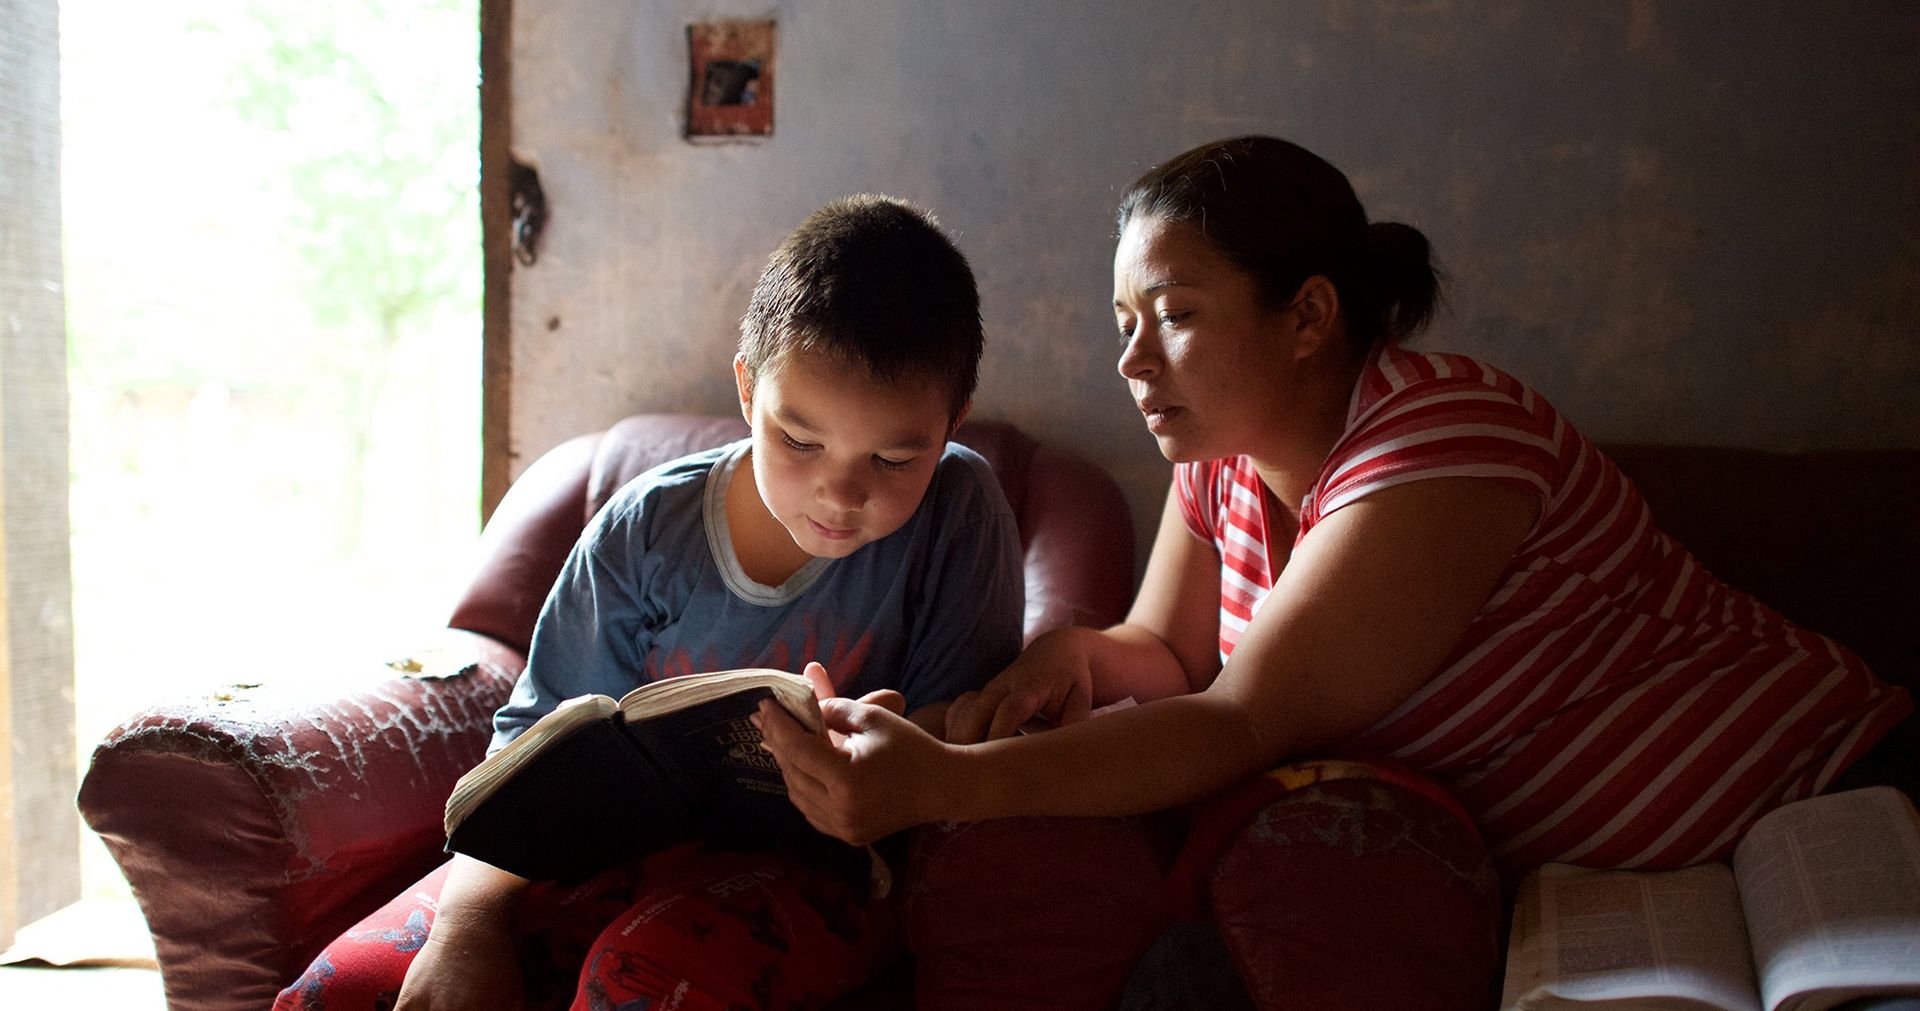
(653, 590)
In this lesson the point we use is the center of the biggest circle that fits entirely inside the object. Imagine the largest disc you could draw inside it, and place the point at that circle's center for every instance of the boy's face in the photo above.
(839, 459)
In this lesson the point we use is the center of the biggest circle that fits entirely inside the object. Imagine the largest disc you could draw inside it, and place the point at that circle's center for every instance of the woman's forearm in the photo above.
(1131, 662)
(1130, 762)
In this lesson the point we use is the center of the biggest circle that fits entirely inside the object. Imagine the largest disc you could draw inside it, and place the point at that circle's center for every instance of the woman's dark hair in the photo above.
(1282, 214)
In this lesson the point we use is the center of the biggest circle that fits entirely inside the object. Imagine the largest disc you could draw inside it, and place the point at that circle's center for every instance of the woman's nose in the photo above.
(1138, 360)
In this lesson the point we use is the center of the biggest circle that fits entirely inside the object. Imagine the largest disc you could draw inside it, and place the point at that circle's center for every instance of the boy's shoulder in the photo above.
(960, 456)
(965, 486)
(676, 486)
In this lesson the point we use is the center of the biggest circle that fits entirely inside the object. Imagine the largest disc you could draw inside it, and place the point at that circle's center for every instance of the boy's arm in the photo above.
(468, 961)
(967, 622)
(588, 638)
(967, 627)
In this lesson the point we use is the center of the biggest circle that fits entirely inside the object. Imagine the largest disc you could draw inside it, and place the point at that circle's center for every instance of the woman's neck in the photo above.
(1315, 420)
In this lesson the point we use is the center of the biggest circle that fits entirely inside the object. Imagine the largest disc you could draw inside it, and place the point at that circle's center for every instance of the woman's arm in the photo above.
(1369, 605)
(1167, 646)
(1178, 605)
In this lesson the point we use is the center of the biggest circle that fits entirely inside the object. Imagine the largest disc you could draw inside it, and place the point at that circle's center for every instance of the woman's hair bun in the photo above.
(1406, 284)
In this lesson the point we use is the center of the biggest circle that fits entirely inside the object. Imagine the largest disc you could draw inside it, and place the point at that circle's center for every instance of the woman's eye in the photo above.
(796, 445)
(1170, 318)
(1126, 334)
(892, 464)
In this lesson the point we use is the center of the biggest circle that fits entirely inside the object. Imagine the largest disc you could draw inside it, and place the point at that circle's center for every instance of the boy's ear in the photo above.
(743, 382)
(959, 417)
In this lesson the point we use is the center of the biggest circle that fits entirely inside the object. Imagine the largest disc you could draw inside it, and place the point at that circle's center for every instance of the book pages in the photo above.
(1831, 887)
(792, 691)
(1599, 938)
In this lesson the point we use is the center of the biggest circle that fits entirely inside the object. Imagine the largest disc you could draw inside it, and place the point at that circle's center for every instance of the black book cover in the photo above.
(614, 790)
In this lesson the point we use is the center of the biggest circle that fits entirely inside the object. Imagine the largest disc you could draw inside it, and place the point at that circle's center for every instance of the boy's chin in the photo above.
(826, 547)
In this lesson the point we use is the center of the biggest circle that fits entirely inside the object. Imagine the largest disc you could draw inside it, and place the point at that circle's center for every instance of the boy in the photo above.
(846, 529)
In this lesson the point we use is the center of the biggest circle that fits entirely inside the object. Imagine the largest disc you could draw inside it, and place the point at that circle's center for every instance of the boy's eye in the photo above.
(796, 445)
(892, 464)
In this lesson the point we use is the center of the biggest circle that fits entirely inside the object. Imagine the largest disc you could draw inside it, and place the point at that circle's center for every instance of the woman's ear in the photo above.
(743, 381)
(1317, 317)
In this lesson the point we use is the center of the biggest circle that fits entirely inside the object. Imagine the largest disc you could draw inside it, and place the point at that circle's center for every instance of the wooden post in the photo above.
(496, 230)
(9, 867)
(40, 830)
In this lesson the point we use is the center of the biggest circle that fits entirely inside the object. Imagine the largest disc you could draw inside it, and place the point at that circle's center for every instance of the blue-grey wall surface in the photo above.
(1683, 222)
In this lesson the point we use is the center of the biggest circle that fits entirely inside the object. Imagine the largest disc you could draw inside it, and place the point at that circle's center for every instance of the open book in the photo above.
(1820, 906)
(598, 782)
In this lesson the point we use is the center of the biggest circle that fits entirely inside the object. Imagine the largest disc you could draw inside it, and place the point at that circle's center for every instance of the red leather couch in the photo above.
(257, 825)
(254, 830)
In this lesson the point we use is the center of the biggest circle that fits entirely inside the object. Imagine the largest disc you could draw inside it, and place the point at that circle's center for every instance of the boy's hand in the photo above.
(823, 689)
(875, 774)
(1052, 679)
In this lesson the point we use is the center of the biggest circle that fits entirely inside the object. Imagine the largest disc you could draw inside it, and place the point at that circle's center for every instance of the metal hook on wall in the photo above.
(529, 203)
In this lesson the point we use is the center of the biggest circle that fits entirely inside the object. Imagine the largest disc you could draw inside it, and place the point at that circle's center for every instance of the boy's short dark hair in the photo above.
(873, 281)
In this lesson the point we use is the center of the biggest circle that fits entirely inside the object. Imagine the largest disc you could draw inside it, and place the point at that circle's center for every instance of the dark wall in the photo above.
(1684, 222)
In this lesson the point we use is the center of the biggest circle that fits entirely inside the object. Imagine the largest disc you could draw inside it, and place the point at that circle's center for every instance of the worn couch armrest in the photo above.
(257, 825)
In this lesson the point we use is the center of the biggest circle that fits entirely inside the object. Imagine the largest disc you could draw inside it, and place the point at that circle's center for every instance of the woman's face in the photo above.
(1209, 364)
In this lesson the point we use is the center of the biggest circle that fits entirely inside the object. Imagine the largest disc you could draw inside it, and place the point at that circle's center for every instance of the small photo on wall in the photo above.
(730, 80)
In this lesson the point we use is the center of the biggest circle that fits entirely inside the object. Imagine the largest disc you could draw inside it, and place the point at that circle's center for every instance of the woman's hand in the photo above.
(873, 775)
(1053, 678)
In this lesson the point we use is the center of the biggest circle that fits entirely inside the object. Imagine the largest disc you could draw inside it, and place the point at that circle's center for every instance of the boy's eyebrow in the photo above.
(914, 442)
(791, 418)
(911, 443)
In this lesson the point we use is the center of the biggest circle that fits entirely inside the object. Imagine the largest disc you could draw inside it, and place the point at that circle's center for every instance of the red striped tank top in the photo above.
(1612, 704)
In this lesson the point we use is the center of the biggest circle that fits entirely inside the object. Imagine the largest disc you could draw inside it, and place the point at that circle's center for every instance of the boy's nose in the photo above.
(844, 492)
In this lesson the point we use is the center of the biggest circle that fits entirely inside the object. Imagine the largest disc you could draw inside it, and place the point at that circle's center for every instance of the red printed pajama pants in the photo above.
(688, 930)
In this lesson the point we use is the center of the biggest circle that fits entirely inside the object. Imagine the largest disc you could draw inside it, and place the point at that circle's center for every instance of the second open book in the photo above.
(1820, 906)
(600, 781)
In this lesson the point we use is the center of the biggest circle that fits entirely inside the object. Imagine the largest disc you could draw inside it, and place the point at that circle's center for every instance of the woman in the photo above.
(1373, 552)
